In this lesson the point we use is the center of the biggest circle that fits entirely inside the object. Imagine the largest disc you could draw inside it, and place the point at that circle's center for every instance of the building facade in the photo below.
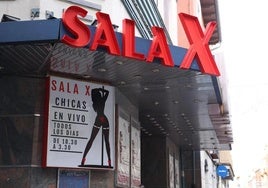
(112, 111)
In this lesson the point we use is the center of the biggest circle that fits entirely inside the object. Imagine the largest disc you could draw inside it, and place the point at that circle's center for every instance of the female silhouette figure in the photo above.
(99, 97)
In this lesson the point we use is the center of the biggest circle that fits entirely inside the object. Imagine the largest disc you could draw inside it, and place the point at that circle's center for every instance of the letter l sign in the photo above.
(198, 45)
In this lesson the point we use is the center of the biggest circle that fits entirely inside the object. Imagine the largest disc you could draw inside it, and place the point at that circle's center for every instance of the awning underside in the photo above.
(172, 102)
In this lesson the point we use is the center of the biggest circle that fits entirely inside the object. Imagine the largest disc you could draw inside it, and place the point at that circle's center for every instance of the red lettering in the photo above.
(87, 90)
(79, 30)
(105, 35)
(53, 83)
(61, 89)
(159, 48)
(75, 89)
(129, 40)
(198, 45)
(68, 87)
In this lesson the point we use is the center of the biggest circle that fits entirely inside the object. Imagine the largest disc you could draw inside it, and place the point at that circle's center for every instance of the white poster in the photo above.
(123, 152)
(135, 157)
(80, 124)
(171, 171)
(177, 174)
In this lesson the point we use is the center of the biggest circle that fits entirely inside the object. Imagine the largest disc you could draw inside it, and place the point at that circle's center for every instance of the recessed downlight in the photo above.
(155, 70)
(119, 62)
(102, 70)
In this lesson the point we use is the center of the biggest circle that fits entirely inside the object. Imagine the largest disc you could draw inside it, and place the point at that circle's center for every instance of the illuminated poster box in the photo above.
(79, 129)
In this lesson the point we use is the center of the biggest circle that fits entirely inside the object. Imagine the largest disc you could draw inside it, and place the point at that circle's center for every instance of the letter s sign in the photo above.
(76, 27)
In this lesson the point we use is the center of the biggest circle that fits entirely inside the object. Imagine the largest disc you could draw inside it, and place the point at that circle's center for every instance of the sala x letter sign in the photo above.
(199, 46)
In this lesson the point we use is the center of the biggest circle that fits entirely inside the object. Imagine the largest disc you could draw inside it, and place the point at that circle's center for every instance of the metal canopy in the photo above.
(172, 102)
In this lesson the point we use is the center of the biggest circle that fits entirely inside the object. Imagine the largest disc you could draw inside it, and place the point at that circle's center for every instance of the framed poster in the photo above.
(73, 179)
(79, 125)
(123, 159)
(177, 173)
(135, 154)
(171, 171)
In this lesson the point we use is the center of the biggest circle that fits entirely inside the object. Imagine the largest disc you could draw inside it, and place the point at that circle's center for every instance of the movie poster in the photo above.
(177, 174)
(80, 124)
(171, 171)
(123, 160)
(135, 156)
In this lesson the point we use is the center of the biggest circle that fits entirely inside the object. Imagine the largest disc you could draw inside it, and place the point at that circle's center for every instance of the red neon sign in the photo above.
(105, 37)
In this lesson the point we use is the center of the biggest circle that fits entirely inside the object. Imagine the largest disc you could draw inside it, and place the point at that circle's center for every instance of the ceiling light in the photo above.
(137, 76)
(86, 76)
(146, 88)
(102, 70)
(156, 103)
(155, 70)
(122, 83)
(175, 102)
(119, 62)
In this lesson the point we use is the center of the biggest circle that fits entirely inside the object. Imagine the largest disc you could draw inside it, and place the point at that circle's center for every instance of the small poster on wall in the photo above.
(123, 160)
(177, 174)
(80, 124)
(171, 171)
(135, 155)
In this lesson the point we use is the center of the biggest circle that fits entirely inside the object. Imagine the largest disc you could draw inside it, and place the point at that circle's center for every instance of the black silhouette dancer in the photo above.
(99, 97)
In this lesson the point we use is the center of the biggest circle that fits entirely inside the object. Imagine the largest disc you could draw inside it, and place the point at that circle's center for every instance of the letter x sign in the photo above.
(199, 46)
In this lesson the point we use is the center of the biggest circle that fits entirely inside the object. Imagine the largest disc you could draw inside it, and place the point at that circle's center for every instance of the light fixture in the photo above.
(175, 102)
(35, 12)
(86, 76)
(8, 18)
(155, 70)
(49, 14)
(102, 70)
(119, 62)
(122, 83)
(137, 76)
